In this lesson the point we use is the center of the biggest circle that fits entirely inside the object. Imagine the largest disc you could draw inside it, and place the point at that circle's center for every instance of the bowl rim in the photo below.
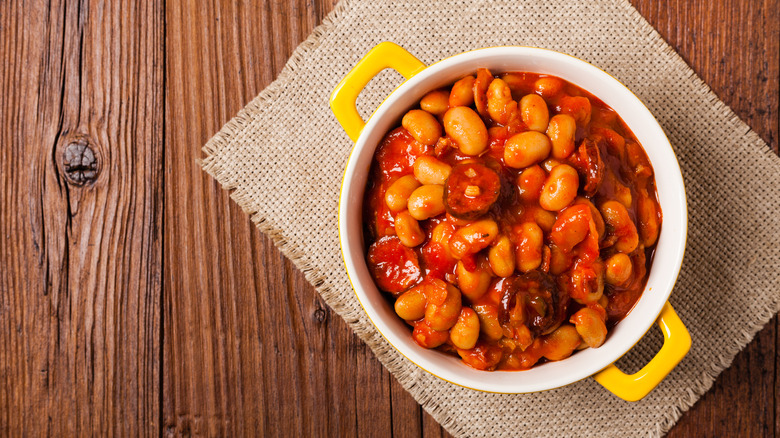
(416, 354)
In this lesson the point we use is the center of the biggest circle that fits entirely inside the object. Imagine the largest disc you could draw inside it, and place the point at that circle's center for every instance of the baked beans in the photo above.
(511, 220)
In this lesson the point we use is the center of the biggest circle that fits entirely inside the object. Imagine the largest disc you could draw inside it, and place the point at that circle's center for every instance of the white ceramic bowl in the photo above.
(421, 79)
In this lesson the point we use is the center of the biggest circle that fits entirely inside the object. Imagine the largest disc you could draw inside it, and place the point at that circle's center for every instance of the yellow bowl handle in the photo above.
(383, 55)
(677, 342)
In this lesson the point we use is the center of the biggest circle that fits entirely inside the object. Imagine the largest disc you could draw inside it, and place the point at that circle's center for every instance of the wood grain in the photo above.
(146, 302)
(288, 365)
(80, 266)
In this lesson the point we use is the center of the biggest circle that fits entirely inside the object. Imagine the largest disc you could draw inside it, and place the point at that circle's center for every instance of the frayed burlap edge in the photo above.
(381, 349)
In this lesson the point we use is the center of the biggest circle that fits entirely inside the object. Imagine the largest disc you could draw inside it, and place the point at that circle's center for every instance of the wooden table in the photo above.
(136, 297)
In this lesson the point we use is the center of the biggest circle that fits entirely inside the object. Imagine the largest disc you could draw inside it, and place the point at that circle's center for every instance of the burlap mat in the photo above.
(284, 154)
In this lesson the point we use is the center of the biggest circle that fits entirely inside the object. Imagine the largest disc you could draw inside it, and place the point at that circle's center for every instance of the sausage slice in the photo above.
(470, 191)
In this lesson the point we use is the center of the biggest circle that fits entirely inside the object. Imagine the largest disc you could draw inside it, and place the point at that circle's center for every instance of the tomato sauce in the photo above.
(588, 260)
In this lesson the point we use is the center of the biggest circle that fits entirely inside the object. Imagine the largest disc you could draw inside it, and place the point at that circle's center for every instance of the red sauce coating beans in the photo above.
(512, 219)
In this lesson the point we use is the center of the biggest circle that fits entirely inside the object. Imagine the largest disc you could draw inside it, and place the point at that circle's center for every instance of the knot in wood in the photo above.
(80, 163)
(320, 315)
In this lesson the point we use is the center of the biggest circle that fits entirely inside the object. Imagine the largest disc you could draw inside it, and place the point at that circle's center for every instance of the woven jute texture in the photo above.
(284, 154)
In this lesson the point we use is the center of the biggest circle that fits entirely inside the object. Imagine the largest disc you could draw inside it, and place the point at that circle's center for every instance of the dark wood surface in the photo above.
(81, 265)
(144, 301)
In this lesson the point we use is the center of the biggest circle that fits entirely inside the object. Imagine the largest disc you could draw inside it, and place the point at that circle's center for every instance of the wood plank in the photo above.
(735, 47)
(373, 403)
(291, 367)
(432, 429)
(80, 264)
(407, 415)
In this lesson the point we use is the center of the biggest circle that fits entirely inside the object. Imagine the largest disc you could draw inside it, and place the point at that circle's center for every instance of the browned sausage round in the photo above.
(470, 190)
(394, 266)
